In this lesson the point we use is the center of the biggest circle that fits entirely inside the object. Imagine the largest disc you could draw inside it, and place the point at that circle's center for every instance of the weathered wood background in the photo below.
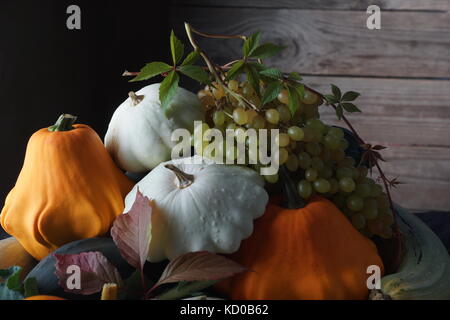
(402, 72)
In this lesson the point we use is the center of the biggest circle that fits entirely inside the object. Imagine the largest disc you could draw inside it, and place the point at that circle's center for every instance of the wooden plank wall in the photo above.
(402, 72)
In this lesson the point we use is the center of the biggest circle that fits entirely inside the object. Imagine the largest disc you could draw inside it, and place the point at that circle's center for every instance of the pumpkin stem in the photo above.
(109, 291)
(64, 123)
(135, 99)
(291, 198)
(184, 178)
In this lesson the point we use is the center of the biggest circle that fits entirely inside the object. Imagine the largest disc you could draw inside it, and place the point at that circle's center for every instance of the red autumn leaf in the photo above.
(94, 271)
(198, 266)
(131, 232)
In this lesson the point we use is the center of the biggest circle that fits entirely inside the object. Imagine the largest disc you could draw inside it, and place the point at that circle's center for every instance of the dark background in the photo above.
(47, 70)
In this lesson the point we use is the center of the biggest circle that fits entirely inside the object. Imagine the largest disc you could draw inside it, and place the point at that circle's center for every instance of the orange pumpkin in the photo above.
(44, 297)
(303, 253)
(68, 189)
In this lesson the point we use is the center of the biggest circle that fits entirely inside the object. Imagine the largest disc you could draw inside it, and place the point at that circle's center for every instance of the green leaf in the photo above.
(195, 72)
(30, 287)
(235, 70)
(336, 91)
(300, 90)
(272, 73)
(168, 89)
(251, 44)
(350, 96)
(271, 92)
(176, 47)
(191, 58)
(265, 50)
(253, 77)
(13, 282)
(294, 99)
(350, 107)
(330, 98)
(294, 76)
(339, 111)
(184, 289)
(150, 70)
(10, 285)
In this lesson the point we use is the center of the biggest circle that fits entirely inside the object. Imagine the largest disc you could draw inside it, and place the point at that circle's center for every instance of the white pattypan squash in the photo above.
(202, 206)
(139, 134)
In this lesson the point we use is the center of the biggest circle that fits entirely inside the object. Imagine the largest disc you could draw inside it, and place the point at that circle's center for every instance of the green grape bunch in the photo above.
(246, 94)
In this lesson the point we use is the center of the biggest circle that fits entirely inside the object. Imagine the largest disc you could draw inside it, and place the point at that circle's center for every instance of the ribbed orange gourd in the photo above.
(311, 252)
(68, 189)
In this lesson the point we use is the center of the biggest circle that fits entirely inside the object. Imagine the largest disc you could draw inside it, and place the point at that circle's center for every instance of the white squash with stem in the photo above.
(198, 207)
(139, 134)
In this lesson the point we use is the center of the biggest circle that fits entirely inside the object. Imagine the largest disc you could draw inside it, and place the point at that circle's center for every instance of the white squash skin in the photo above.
(183, 220)
(139, 136)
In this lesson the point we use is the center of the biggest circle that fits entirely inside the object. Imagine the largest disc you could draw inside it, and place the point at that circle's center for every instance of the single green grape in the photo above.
(304, 189)
(283, 96)
(292, 163)
(347, 184)
(311, 174)
(304, 160)
(326, 154)
(355, 203)
(337, 132)
(313, 148)
(331, 142)
(218, 92)
(258, 122)
(316, 124)
(308, 134)
(296, 133)
(370, 203)
(347, 162)
(285, 113)
(363, 190)
(282, 140)
(233, 85)
(251, 114)
(321, 185)
(310, 97)
(370, 213)
(219, 118)
(317, 163)
(272, 116)
(283, 155)
(240, 116)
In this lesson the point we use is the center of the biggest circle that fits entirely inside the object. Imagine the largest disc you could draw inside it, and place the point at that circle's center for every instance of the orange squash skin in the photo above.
(68, 189)
(312, 253)
(44, 297)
